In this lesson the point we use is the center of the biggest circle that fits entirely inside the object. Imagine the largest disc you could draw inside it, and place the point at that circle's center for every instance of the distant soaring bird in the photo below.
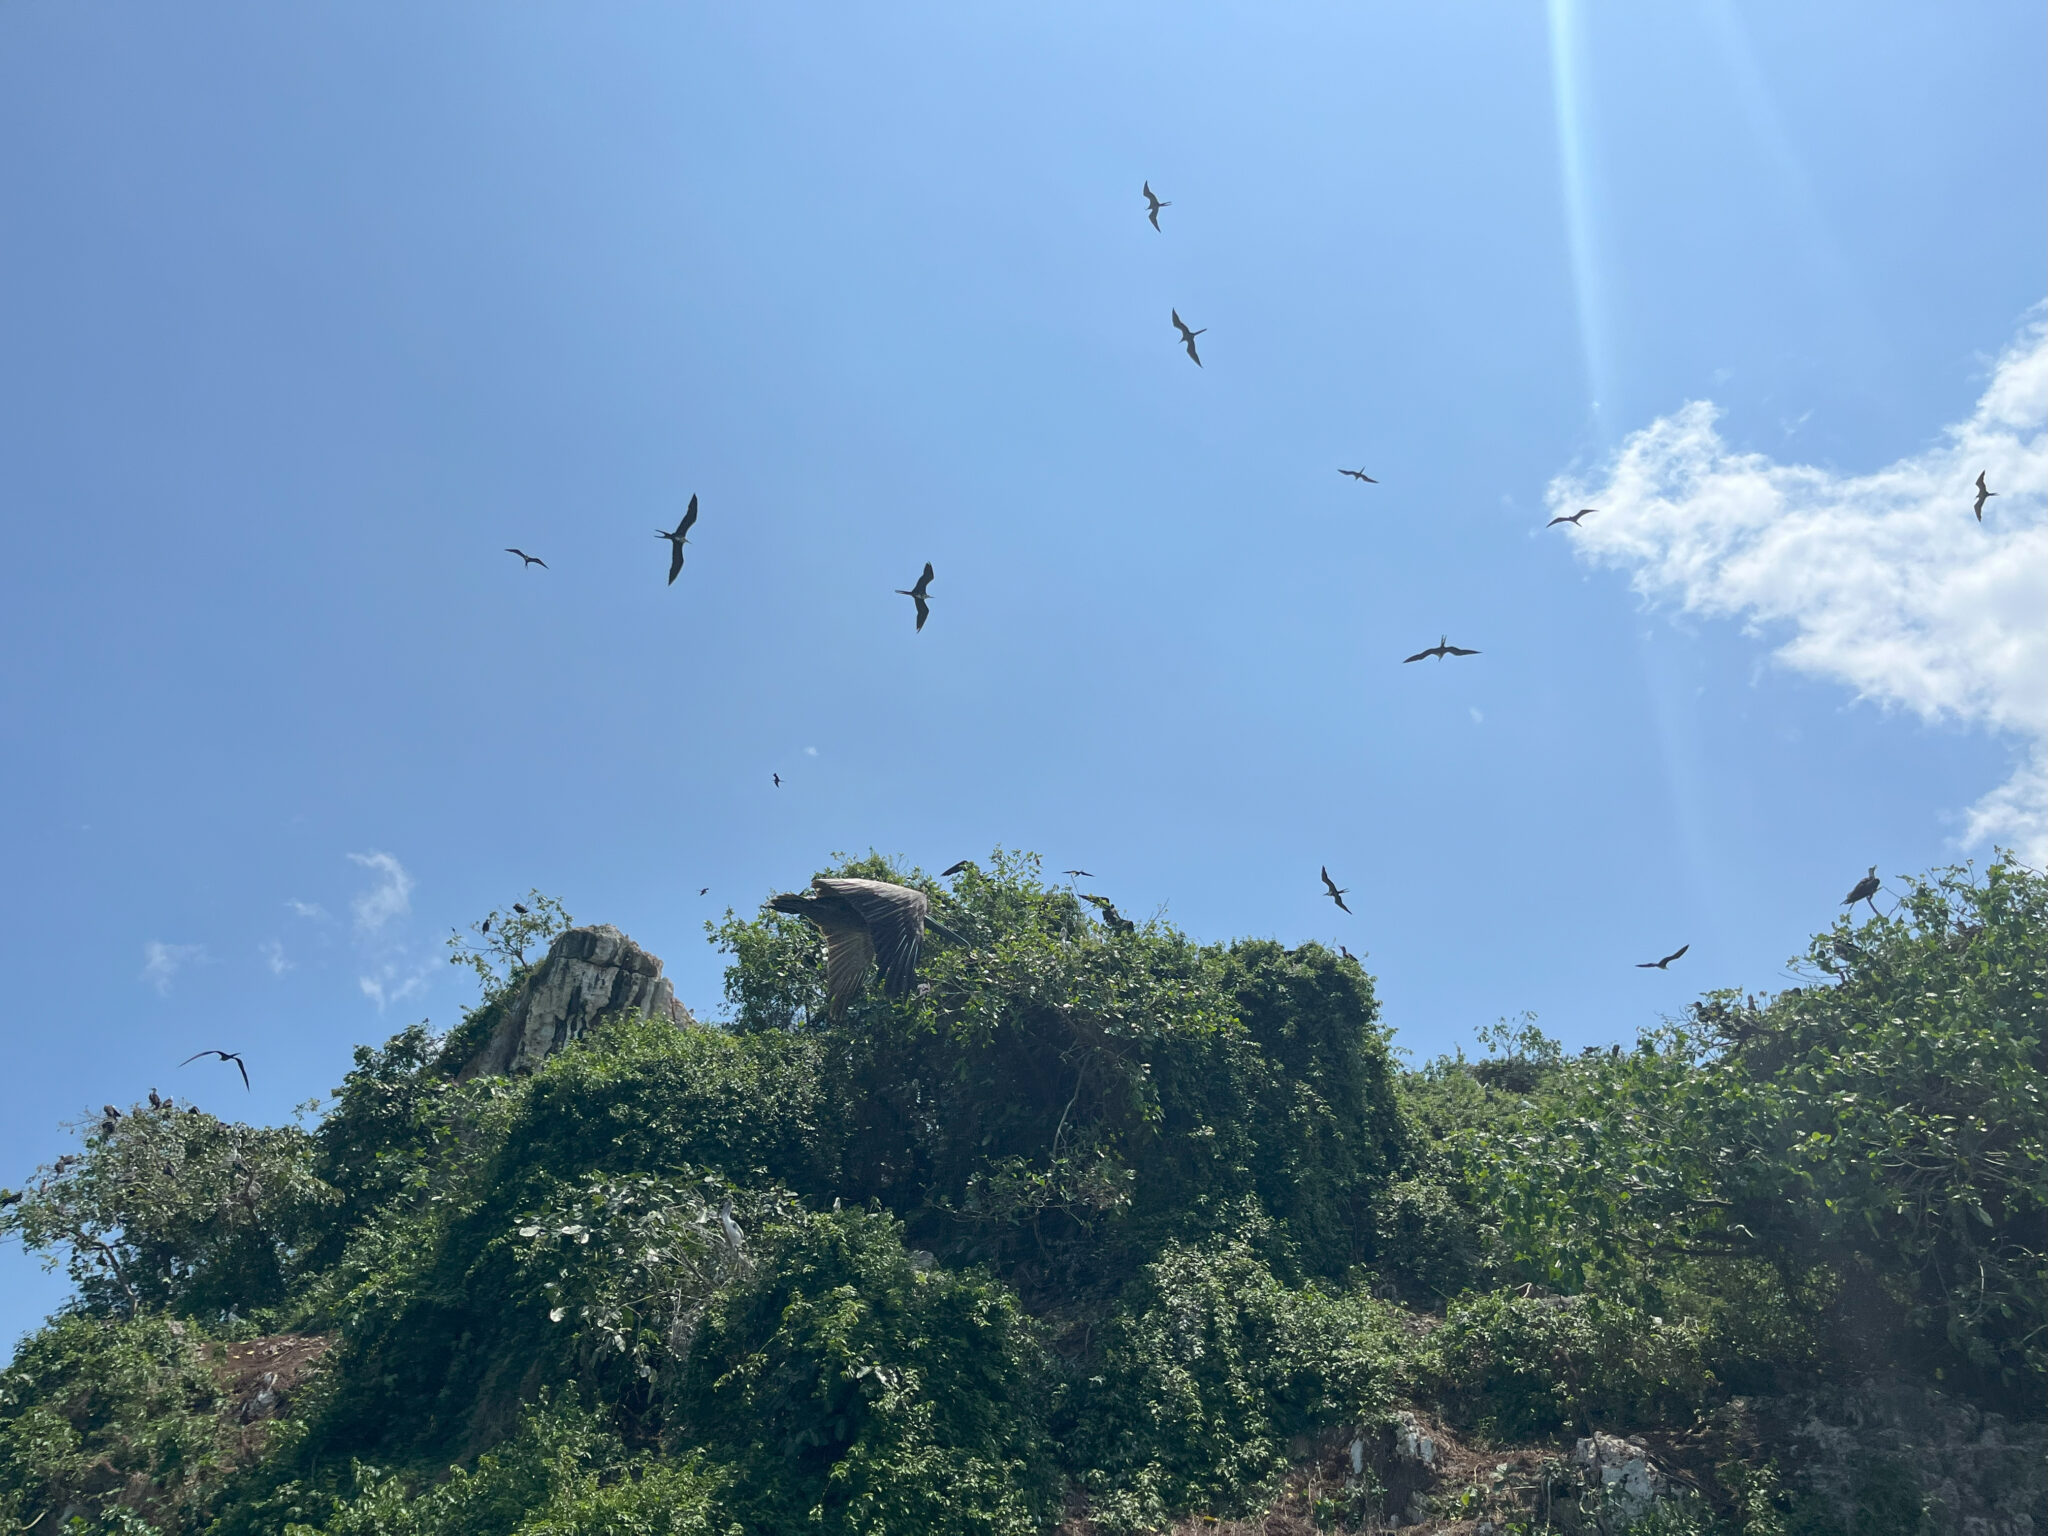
(1573, 519)
(1359, 474)
(234, 1056)
(1866, 889)
(1152, 213)
(703, 890)
(1665, 963)
(864, 922)
(1440, 650)
(1078, 874)
(529, 559)
(777, 778)
(1188, 337)
(1983, 495)
(1331, 889)
(947, 874)
(918, 592)
(678, 539)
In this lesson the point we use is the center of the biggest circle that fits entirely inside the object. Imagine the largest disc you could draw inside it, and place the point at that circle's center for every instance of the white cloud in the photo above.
(1883, 582)
(390, 897)
(304, 908)
(810, 751)
(161, 962)
(390, 985)
(274, 957)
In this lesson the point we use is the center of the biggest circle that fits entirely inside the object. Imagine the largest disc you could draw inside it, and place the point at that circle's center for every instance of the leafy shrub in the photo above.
(1424, 1240)
(1515, 1366)
(851, 1389)
(1210, 1371)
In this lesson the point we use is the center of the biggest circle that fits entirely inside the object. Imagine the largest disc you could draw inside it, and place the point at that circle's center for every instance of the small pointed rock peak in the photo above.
(589, 973)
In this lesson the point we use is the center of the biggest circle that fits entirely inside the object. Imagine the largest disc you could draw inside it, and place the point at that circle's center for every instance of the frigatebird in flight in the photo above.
(678, 539)
(1665, 963)
(917, 593)
(1573, 519)
(234, 1056)
(1332, 890)
(1188, 337)
(1152, 213)
(529, 559)
(1359, 474)
(947, 874)
(1440, 650)
(1079, 874)
(1983, 495)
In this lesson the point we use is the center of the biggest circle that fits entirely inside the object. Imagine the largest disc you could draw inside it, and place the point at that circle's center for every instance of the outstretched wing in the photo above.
(1418, 656)
(924, 609)
(689, 517)
(894, 915)
(1457, 650)
(675, 560)
(926, 579)
(244, 1071)
(1673, 955)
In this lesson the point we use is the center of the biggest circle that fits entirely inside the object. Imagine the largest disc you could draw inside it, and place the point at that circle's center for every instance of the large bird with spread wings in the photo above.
(865, 922)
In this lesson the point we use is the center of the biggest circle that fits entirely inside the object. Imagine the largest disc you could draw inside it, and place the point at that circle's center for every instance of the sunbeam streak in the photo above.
(1567, 79)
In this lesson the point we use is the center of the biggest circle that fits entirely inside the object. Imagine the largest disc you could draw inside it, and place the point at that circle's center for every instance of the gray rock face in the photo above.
(589, 974)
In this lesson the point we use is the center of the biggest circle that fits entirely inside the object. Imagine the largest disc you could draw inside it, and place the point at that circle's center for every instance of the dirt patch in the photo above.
(257, 1377)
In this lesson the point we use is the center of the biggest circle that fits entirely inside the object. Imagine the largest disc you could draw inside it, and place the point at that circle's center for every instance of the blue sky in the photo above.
(311, 310)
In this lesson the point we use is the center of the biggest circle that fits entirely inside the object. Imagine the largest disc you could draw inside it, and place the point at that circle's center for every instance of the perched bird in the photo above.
(735, 1239)
(1866, 889)
(1330, 889)
(155, 1102)
(516, 907)
(1359, 474)
(864, 922)
(1079, 874)
(529, 559)
(1573, 519)
(918, 593)
(1347, 954)
(486, 928)
(1983, 495)
(110, 1112)
(1113, 919)
(1187, 337)
(678, 539)
(949, 873)
(1665, 963)
(1440, 650)
(1152, 213)
(234, 1056)
(12, 1197)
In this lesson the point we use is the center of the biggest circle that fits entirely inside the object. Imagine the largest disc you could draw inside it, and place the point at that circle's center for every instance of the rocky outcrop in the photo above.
(589, 974)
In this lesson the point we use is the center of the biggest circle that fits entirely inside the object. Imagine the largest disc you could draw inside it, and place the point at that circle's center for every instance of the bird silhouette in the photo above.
(1573, 519)
(1079, 874)
(777, 778)
(947, 874)
(234, 1056)
(865, 922)
(1983, 495)
(1440, 650)
(1152, 213)
(1347, 954)
(486, 928)
(1866, 889)
(1359, 474)
(1665, 963)
(1332, 890)
(521, 910)
(1114, 920)
(1188, 337)
(529, 559)
(917, 594)
(678, 539)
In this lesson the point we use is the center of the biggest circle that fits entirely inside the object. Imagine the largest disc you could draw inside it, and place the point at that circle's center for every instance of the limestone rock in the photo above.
(1621, 1470)
(589, 974)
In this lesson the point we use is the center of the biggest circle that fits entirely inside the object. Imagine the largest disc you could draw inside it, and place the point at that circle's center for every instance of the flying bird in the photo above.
(1152, 213)
(1359, 474)
(1331, 889)
(777, 778)
(529, 559)
(1115, 920)
(678, 539)
(947, 874)
(1664, 964)
(918, 593)
(1079, 874)
(1983, 495)
(234, 1056)
(1440, 650)
(1866, 889)
(865, 922)
(1573, 519)
(704, 890)
(1187, 337)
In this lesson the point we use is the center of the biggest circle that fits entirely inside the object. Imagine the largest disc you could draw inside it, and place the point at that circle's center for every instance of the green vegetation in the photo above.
(1097, 1218)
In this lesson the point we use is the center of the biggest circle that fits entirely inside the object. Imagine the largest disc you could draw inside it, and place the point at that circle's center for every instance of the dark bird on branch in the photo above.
(1115, 920)
(917, 594)
(678, 539)
(1440, 650)
(1359, 474)
(234, 1056)
(1331, 889)
(110, 1112)
(865, 922)
(1573, 519)
(1188, 337)
(516, 907)
(529, 559)
(1347, 954)
(1983, 495)
(1866, 889)
(12, 1197)
(155, 1102)
(1665, 963)
(1152, 213)
(949, 873)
